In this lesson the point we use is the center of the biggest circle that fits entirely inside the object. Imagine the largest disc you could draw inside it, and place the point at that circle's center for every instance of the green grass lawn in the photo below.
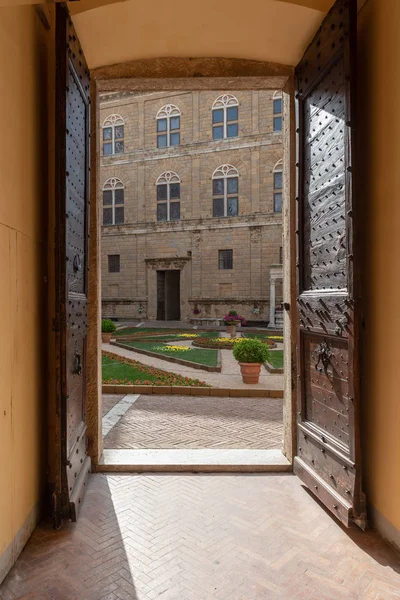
(163, 332)
(259, 336)
(117, 369)
(196, 355)
(130, 330)
(275, 358)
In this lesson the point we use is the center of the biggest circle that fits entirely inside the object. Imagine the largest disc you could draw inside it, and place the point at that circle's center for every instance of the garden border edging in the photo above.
(190, 391)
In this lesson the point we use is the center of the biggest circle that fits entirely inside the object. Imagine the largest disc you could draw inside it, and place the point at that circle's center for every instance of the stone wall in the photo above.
(145, 245)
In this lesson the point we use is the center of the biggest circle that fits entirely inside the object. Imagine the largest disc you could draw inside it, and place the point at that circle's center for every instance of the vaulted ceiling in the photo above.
(115, 31)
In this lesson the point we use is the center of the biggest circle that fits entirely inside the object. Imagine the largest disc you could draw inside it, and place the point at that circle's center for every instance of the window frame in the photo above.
(111, 185)
(278, 168)
(224, 102)
(113, 121)
(277, 115)
(168, 178)
(221, 260)
(168, 112)
(225, 172)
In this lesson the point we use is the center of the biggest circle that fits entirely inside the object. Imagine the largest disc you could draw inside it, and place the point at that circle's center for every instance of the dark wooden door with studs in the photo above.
(328, 455)
(72, 211)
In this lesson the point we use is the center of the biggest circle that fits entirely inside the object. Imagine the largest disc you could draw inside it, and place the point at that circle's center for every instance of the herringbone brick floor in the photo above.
(198, 422)
(108, 401)
(203, 537)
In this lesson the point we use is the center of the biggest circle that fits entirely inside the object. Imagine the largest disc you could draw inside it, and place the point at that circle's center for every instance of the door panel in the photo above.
(328, 455)
(160, 295)
(72, 203)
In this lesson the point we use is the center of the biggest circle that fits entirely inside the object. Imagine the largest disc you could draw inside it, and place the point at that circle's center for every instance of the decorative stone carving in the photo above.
(167, 264)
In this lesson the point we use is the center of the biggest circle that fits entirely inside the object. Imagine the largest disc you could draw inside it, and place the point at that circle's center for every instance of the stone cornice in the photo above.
(168, 264)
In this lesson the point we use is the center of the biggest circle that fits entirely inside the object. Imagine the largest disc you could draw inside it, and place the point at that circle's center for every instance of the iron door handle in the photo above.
(324, 354)
(78, 364)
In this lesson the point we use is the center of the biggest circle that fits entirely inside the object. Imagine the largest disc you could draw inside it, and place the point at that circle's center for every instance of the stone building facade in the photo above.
(192, 221)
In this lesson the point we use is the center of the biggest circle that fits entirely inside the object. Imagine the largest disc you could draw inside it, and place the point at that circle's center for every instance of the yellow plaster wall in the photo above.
(23, 217)
(379, 159)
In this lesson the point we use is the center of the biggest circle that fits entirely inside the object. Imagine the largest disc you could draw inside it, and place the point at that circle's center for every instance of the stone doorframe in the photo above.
(181, 264)
(167, 74)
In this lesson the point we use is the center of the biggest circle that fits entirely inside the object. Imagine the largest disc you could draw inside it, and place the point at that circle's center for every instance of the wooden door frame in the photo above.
(171, 74)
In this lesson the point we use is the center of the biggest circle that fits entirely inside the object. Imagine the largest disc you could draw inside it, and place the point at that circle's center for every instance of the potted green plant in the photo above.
(107, 328)
(250, 354)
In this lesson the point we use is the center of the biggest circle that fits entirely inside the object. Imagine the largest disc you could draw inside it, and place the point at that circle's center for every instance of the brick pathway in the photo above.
(203, 537)
(228, 378)
(198, 422)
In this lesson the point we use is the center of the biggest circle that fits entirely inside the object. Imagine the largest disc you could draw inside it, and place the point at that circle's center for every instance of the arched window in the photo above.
(113, 202)
(225, 117)
(277, 110)
(278, 183)
(225, 191)
(113, 135)
(168, 126)
(168, 197)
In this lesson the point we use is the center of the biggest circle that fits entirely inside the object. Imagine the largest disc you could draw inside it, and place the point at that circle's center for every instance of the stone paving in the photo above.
(229, 377)
(202, 537)
(197, 422)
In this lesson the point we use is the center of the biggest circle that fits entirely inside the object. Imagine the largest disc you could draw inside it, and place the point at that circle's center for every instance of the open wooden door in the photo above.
(328, 455)
(72, 213)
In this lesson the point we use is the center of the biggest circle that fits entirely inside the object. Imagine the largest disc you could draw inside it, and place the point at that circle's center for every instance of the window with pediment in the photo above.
(277, 111)
(168, 197)
(113, 135)
(225, 117)
(113, 202)
(168, 126)
(278, 185)
(225, 183)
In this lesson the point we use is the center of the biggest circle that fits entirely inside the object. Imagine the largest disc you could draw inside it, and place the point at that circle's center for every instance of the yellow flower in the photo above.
(172, 348)
(188, 335)
(229, 340)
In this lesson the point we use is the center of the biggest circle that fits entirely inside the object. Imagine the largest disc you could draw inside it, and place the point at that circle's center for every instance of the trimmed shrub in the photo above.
(108, 326)
(251, 351)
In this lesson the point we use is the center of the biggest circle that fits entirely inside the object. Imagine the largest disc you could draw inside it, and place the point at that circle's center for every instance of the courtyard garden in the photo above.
(202, 350)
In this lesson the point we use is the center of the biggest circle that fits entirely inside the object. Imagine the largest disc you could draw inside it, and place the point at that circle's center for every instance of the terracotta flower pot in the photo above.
(250, 372)
(106, 338)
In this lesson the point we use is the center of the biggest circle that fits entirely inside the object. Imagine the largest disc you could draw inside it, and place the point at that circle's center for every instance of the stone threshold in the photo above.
(191, 391)
(199, 460)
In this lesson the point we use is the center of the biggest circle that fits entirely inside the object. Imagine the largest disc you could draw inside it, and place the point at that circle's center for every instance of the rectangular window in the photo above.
(225, 259)
(278, 183)
(233, 130)
(175, 139)
(218, 133)
(161, 141)
(218, 207)
(277, 114)
(113, 263)
(280, 255)
(278, 202)
(232, 113)
(107, 149)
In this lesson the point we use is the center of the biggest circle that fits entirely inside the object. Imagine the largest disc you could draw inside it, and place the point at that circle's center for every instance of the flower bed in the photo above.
(120, 370)
(223, 343)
